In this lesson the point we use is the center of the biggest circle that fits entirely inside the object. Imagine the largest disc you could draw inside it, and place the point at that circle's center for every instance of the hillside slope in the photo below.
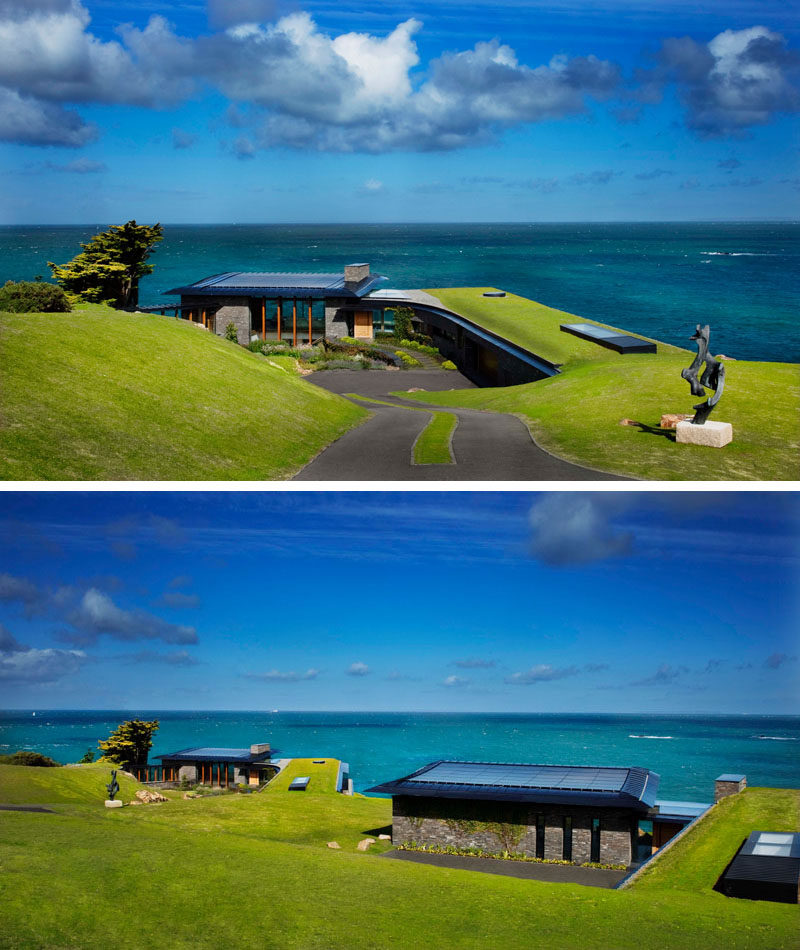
(99, 394)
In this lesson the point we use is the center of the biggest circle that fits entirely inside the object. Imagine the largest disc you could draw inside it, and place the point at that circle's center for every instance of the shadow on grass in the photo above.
(374, 832)
(653, 430)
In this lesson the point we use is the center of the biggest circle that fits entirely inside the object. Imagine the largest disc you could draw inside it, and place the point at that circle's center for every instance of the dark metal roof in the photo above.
(263, 283)
(553, 784)
(762, 857)
(208, 754)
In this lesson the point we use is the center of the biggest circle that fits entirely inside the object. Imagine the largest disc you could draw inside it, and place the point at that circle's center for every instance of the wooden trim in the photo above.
(263, 318)
(294, 322)
(280, 316)
(309, 321)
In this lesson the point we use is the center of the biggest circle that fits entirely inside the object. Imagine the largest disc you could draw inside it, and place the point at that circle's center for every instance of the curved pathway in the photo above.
(487, 446)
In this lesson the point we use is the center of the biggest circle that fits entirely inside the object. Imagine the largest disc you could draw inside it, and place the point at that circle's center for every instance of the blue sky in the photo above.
(434, 110)
(495, 601)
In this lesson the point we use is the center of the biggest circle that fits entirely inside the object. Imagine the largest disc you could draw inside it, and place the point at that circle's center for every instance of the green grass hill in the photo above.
(98, 394)
(256, 869)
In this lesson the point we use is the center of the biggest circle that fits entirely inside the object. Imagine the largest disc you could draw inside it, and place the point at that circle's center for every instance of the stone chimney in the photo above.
(260, 748)
(355, 273)
(728, 784)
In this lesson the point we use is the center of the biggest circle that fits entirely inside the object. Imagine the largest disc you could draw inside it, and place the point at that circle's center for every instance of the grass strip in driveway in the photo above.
(434, 443)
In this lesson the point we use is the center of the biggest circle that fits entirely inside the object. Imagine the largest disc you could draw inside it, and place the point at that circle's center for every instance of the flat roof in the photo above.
(770, 857)
(613, 339)
(278, 284)
(516, 781)
(680, 811)
(730, 777)
(213, 754)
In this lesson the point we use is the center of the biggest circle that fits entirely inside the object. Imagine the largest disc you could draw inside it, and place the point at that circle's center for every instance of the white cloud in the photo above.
(739, 79)
(278, 676)
(358, 669)
(97, 614)
(39, 666)
(541, 673)
(577, 528)
(455, 681)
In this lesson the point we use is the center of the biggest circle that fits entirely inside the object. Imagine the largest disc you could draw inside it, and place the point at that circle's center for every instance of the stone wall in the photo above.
(336, 320)
(511, 826)
(234, 310)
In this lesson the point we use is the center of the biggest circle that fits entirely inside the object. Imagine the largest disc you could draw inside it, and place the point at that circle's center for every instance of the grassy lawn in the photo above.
(99, 394)
(576, 415)
(534, 326)
(255, 869)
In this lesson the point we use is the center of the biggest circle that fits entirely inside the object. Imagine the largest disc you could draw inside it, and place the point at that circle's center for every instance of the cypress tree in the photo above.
(110, 265)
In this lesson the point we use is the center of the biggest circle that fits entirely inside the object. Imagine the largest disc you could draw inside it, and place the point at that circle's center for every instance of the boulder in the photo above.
(670, 420)
(147, 796)
(364, 845)
(384, 837)
(335, 845)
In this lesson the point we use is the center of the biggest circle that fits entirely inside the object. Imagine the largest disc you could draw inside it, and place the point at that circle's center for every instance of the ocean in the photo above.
(689, 752)
(660, 280)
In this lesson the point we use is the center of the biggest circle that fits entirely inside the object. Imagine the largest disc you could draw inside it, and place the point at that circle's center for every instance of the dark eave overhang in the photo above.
(637, 792)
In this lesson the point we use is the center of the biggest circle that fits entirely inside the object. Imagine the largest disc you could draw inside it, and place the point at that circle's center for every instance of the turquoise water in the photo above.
(656, 279)
(688, 752)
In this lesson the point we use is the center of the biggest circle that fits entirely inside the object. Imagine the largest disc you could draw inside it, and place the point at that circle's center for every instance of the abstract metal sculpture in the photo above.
(113, 785)
(713, 376)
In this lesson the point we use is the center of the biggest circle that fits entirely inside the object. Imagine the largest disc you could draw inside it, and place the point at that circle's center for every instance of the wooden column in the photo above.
(204, 317)
(309, 321)
(294, 322)
(280, 316)
(263, 318)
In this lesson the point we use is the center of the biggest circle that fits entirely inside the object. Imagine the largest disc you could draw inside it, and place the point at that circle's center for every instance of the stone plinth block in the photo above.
(110, 804)
(715, 434)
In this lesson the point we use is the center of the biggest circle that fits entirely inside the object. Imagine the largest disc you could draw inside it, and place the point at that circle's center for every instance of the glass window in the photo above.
(595, 855)
(540, 836)
(567, 851)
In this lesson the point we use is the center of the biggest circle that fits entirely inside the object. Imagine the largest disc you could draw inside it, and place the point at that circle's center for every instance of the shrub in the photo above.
(407, 361)
(88, 756)
(419, 347)
(449, 364)
(342, 364)
(25, 757)
(402, 323)
(33, 297)
(231, 332)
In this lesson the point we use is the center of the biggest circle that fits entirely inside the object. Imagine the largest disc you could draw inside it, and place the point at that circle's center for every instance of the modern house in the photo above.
(572, 813)
(765, 868)
(305, 308)
(216, 766)
(298, 308)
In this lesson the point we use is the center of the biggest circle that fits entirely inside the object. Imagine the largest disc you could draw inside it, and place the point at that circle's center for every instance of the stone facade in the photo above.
(729, 785)
(511, 826)
(223, 310)
(337, 321)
